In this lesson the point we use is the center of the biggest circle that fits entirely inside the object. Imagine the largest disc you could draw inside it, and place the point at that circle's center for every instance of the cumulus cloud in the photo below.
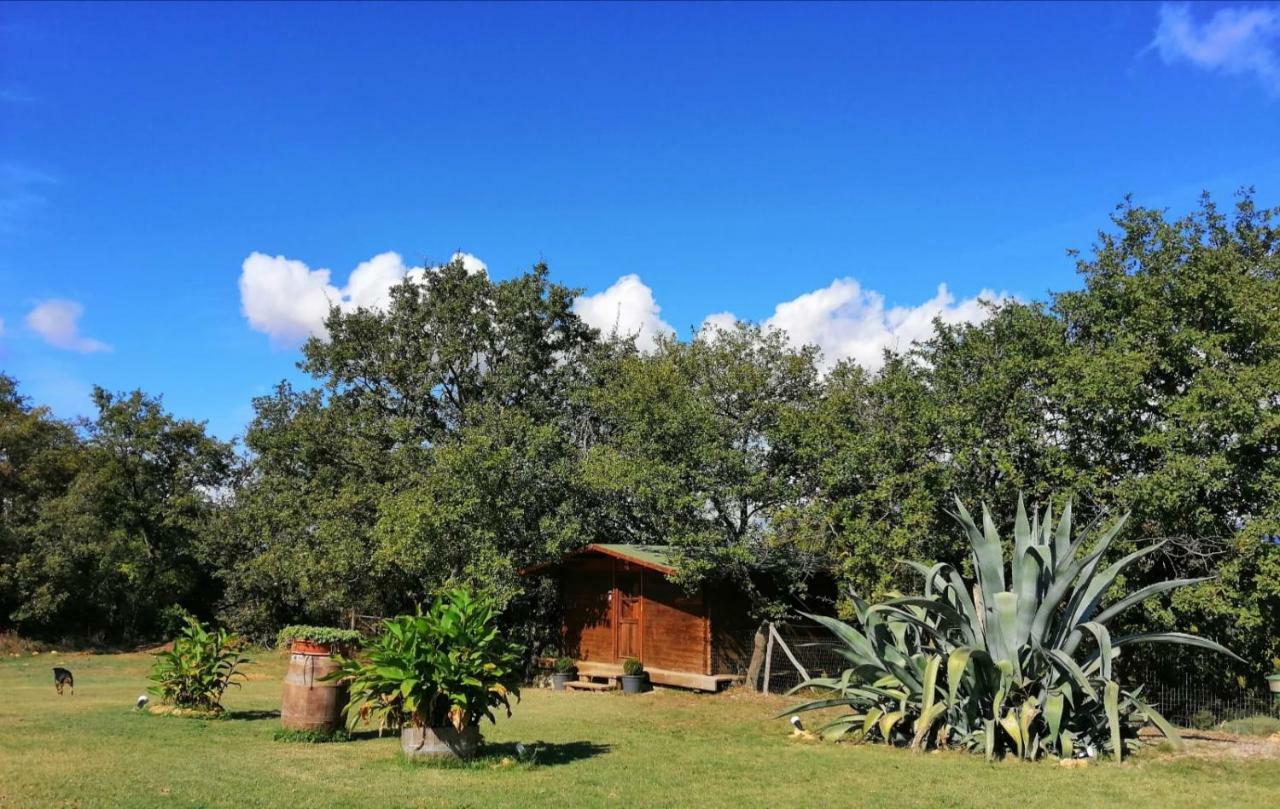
(627, 308)
(846, 321)
(1234, 40)
(288, 301)
(720, 321)
(56, 321)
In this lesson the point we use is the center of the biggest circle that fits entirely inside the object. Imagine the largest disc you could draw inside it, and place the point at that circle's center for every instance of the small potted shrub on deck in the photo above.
(633, 676)
(565, 671)
(435, 676)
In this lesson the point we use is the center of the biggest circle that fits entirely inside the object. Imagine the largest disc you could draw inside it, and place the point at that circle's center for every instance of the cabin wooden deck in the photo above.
(680, 679)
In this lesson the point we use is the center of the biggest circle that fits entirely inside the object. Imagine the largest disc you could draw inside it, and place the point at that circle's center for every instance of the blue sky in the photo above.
(173, 177)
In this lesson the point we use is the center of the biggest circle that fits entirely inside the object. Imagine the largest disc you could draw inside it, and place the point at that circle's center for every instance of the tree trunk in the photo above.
(757, 659)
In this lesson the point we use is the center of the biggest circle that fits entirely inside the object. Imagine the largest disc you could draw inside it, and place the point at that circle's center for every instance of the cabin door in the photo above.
(628, 613)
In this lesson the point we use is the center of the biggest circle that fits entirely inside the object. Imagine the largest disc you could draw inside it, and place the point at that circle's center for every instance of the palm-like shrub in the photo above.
(198, 669)
(449, 666)
(1025, 664)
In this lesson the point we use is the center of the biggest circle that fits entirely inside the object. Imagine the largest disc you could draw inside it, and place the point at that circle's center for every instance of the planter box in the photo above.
(443, 742)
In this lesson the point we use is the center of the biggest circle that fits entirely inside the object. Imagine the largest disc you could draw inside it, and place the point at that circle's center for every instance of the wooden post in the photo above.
(768, 660)
(757, 657)
(773, 633)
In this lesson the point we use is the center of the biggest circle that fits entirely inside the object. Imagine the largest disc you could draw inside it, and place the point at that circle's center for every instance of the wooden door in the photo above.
(628, 613)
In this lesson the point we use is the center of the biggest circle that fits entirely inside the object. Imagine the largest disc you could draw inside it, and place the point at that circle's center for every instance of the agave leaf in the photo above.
(1143, 594)
(1026, 716)
(1010, 724)
(1091, 596)
(925, 723)
(888, 721)
(1064, 581)
(873, 716)
(989, 738)
(1103, 637)
(1006, 629)
(1066, 744)
(1062, 551)
(1176, 637)
(1053, 706)
(1070, 667)
(957, 663)
(851, 637)
(1169, 731)
(1111, 702)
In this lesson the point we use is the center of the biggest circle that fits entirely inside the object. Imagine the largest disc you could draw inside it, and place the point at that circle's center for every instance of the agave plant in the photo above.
(1026, 664)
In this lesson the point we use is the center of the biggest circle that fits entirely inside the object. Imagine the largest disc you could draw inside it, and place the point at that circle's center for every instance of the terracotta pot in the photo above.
(310, 647)
(445, 742)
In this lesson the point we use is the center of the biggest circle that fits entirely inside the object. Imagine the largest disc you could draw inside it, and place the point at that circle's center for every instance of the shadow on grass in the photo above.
(250, 716)
(513, 755)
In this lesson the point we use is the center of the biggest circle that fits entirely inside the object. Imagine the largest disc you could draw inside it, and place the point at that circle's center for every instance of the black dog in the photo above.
(62, 677)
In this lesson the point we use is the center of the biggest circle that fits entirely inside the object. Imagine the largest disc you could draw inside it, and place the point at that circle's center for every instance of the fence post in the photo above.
(768, 660)
(757, 657)
(773, 633)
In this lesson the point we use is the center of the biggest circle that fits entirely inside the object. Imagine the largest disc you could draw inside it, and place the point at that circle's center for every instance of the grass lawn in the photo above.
(662, 749)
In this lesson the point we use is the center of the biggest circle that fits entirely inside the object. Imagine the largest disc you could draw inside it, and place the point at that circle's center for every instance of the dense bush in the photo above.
(326, 635)
(1023, 662)
(449, 666)
(199, 668)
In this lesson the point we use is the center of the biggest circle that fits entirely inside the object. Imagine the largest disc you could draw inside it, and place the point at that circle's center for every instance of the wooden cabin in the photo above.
(618, 603)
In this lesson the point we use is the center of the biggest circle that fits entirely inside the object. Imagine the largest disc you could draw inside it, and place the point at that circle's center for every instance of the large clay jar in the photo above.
(311, 703)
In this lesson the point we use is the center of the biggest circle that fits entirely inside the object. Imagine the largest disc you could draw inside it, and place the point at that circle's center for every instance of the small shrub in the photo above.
(632, 667)
(199, 668)
(327, 635)
(311, 736)
(1253, 726)
(1202, 720)
(565, 665)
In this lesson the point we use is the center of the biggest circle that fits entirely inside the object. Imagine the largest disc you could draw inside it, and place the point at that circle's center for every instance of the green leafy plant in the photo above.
(632, 667)
(1202, 720)
(1022, 662)
(198, 669)
(449, 666)
(310, 736)
(565, 665)
(326, 635)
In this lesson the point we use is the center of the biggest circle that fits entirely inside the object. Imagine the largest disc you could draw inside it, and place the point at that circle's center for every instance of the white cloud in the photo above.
(720, 321)
(55, 321)
(288, 301)
(628, 308)
(848, 322)
(1235, 40)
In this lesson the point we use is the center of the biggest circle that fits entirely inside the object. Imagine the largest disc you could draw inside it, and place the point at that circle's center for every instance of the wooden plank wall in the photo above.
(675, 626)
(588, 619)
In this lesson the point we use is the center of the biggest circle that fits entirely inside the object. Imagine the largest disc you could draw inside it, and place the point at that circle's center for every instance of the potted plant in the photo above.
(311, 702)
(317, 640)
(1273, 679)
(633, 676)
(435, 676)
(565, 670)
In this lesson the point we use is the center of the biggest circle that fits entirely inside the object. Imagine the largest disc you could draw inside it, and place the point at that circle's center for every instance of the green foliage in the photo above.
(565, 665)
(326, 635)
(449, 666)
(1022, 661)
(632, 667)
(1253, 726)
(198, 669)
(1203, 719)
(103, 527)
(310, 736)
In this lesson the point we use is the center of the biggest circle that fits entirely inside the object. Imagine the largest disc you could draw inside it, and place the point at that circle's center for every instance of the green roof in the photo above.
(647, 555)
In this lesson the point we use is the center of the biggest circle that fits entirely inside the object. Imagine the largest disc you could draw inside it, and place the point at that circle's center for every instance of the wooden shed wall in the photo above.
(675, 627)
(585, 585)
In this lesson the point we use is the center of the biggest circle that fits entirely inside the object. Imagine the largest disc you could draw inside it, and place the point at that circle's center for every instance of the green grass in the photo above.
(1252, 726)
(665, 749)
